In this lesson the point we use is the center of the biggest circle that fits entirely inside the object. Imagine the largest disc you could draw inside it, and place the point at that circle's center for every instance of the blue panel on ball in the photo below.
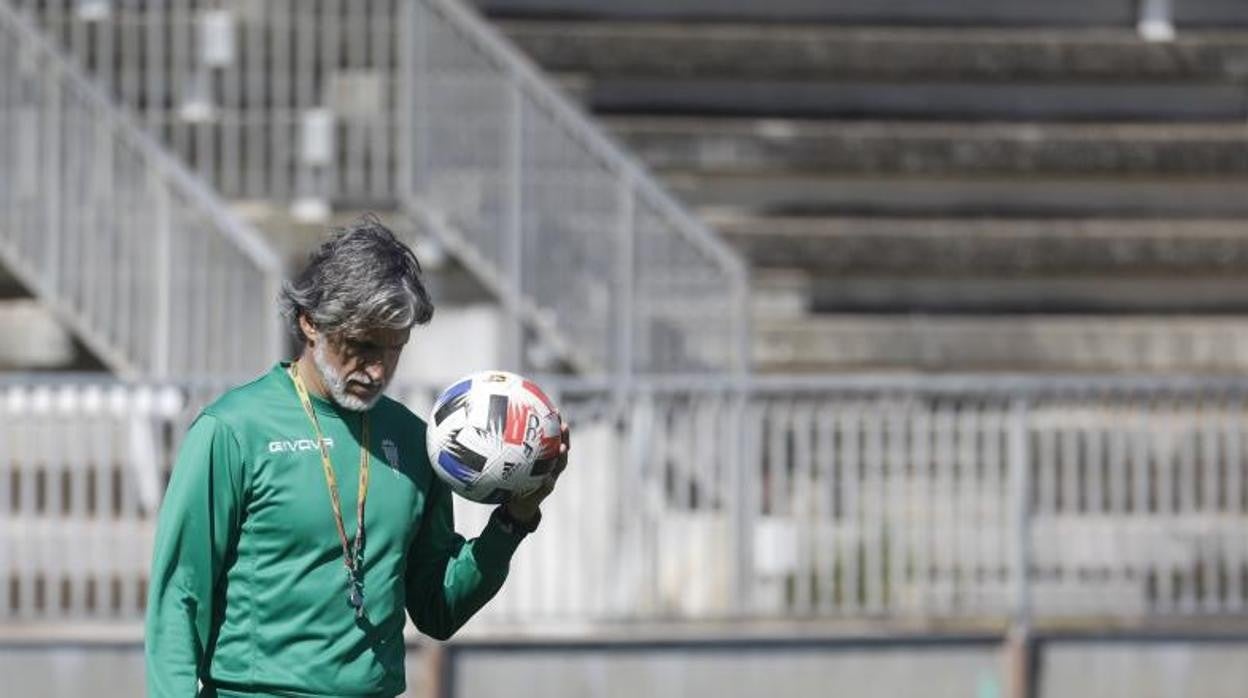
(456, 390)
(457, 470)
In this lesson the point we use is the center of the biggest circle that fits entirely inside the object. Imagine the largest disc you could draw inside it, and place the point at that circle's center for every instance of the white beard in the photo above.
(336, 384)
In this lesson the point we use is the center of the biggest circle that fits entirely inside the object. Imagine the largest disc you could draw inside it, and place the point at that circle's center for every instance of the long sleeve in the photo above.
(196, 530)
(449, 579)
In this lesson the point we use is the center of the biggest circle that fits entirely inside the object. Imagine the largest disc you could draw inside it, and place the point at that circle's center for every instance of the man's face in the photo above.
(358, 367)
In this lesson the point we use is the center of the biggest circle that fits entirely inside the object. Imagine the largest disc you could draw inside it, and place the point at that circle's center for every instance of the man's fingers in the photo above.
(565, 435)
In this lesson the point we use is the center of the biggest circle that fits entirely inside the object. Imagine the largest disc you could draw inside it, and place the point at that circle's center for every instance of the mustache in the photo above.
(363, 380)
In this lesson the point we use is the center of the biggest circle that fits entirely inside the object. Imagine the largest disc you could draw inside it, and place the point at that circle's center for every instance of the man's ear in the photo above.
(309, 330)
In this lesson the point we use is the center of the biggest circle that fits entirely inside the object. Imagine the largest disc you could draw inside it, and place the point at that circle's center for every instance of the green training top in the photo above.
(248, 589)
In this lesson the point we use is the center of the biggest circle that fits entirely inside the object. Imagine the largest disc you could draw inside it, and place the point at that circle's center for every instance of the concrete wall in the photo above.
(969, 668)
(1149, 669)
(107, 670)
(792, 671)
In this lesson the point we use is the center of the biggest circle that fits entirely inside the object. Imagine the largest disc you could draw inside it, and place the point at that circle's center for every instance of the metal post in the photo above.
(1019, 647)
(1155, 21)
(439, 669)
(626, 250)
(410, 48)
(741, 363)
(52, 122)
(513, 232)
(277, 329)
(741, 478)
(162, 268)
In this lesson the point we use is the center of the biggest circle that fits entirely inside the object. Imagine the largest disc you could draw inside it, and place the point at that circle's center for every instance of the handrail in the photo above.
(110, 189)
(530, 77)
(798, 505)
(583, 247)
(521, 175)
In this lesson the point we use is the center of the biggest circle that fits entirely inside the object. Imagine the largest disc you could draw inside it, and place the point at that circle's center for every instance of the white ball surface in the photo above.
(493, 435)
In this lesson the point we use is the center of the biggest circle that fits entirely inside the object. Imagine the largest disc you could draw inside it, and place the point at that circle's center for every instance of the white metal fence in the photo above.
(968, 500)
(138, 257)
(552, 208)
(274, 99)
(419, 105)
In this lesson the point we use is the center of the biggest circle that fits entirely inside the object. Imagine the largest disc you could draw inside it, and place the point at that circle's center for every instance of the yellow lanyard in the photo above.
(351, 555)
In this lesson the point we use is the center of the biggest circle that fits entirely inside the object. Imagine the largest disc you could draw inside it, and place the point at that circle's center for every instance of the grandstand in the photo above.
(942, 186)
(903, 340)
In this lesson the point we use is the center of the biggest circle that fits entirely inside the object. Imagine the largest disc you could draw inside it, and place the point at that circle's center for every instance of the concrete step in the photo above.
(1058, 13)
(905, 12)
(779, 193)
(1010, 343)
(744, 52)
(295, 238)
(852, 99)
(925, 13)
(32, 338)
(980, 294)
(775, 145)
(989, 246)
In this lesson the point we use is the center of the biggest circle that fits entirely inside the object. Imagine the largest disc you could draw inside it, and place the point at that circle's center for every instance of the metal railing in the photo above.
(422, 106)
(143, 262)
(556, 213)
(973, 499)
(82, 476)
(275, 100)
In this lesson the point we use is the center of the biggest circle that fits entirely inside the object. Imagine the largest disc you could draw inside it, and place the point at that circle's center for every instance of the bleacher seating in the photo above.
(954, 177)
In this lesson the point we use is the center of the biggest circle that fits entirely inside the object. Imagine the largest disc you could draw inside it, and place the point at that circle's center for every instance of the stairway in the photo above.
(139, 261)
(414, 110)
(933, 183)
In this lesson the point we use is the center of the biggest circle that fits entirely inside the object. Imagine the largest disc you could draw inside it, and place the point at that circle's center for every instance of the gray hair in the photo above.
(361, 278)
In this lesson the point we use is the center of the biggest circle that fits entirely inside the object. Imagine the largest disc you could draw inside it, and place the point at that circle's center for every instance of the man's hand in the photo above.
(525, 508)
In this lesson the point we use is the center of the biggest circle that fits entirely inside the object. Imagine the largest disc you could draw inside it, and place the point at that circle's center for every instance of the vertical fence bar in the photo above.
(163, 271)
(50, 232)
(1213, 560)
(823, 558)
(742, 463)
(1234, 452)
(1019, 643)
(625, 287)
(1020, 479)
(513, 243)
(924, 535)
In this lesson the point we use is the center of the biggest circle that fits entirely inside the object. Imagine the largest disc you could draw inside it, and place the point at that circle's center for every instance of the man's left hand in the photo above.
(525, 508)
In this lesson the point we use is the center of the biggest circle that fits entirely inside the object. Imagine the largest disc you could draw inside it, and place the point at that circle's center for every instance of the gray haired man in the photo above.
(277, 569)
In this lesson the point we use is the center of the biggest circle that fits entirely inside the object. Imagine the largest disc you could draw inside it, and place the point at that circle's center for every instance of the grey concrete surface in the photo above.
(1122, 668)
(955, 195)
(833, 247)
(107, 670)
(1167, 669)
(829, 52)
(996, 12)
(933, 672)
(744, 145)
(851, 99)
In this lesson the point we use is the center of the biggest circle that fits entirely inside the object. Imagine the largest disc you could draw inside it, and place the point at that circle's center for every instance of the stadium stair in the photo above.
(982, 185)
(87, 198)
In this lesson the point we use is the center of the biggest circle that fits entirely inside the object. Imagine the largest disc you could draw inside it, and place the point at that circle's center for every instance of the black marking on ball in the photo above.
(471, 459)
(449, 407)
(497, 420)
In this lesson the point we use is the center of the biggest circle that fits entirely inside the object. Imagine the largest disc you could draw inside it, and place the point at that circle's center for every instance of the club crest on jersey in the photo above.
(392, 453)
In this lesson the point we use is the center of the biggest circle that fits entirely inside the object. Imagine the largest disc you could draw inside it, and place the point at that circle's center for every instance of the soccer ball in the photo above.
(493, 435)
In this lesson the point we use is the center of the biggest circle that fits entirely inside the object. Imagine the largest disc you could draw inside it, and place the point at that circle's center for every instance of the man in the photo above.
(263, 580)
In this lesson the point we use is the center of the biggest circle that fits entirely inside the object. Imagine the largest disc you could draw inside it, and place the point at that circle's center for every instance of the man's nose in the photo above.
(375, 370)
